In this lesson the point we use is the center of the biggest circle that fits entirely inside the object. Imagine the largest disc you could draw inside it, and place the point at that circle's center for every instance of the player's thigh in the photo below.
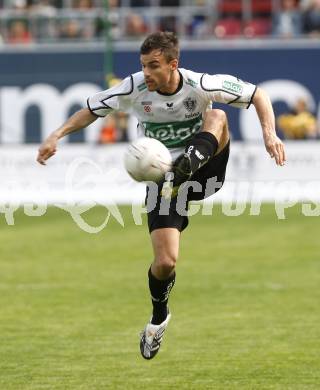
(216, 122)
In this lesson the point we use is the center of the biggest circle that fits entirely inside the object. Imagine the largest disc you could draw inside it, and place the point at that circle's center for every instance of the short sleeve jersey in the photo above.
(172, 119)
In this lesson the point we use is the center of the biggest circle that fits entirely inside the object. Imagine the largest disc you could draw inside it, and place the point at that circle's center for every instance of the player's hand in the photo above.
(275, 148)
(47, 149)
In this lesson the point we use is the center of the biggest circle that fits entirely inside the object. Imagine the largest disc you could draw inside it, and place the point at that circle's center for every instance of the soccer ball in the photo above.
(147, 159)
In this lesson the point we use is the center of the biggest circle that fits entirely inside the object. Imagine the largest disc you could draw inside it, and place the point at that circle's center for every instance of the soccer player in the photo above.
(174, 105)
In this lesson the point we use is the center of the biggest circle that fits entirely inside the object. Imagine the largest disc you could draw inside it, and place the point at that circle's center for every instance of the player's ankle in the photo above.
(158, 316)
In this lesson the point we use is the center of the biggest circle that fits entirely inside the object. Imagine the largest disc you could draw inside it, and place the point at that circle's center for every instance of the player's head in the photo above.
(159, 55)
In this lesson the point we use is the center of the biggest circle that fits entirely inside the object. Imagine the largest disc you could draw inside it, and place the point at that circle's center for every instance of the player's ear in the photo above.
(174, 64)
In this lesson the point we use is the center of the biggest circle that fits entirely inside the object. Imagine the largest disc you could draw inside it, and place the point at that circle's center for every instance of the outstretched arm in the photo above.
(265, 113)
(77, 121)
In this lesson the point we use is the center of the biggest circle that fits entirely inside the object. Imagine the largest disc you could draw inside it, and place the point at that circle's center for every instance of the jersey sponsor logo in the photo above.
(193, 115)
(190, 104)
(142, 86)
(173, 134)
(192, 83)
(147, 103)
(232, 87)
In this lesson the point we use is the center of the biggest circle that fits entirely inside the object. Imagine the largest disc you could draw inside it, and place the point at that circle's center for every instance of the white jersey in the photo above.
(172, 119)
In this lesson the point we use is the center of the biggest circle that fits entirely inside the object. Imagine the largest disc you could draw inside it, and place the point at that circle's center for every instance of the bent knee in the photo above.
(165, 264)
(216, 114)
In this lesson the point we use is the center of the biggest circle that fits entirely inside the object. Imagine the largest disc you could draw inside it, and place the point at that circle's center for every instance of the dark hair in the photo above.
(166, 41)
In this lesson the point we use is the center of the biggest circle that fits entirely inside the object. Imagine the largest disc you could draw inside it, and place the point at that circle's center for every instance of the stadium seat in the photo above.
(230, 7)
(261, 7)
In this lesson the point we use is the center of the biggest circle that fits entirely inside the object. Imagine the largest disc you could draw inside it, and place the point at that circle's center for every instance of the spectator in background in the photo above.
(113, 3)
(102, 3)
(87, 25)
(135, 25)
(71, 30)
(124, 3)
(169, 3)
(43, 8)
(113, 21)
(114, 128)
(43, 13)
(287, 22)
(311, 23)
(19, 5)
(168, 23)
(83, 5)
(199, 27)
(299, 124)
(115, 125)
(18, 33)
(139, 3)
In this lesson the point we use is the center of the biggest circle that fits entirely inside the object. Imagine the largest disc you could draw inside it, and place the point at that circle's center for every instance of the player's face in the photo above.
(158, 73)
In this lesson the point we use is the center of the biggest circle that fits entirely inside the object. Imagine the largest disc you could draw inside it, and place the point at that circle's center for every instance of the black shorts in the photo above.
(204, 183)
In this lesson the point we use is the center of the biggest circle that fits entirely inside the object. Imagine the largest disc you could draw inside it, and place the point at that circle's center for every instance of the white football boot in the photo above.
(151, 338)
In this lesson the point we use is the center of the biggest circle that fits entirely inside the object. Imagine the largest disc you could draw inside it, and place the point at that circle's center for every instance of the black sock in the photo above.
(201, 148)
(160, 290)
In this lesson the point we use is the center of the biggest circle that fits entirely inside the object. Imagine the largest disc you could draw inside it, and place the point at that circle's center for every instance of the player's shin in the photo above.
(160, 291)
(200, 149)
(197, 153)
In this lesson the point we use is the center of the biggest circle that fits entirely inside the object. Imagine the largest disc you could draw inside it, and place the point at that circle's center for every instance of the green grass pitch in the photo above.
(245, 308)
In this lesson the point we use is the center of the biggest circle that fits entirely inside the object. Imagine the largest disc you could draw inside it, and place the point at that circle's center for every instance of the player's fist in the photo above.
(47, 149)
(275, 148)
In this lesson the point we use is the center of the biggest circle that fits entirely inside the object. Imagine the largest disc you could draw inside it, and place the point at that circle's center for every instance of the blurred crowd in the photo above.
(299, 122)
(36, 21)
(27, 21)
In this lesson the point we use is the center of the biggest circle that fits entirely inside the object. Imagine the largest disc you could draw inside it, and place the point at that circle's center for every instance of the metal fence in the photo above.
(90, 20)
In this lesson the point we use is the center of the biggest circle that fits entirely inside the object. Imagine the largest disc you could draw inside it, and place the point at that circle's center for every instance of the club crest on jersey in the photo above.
(190, 104)
(147, 108)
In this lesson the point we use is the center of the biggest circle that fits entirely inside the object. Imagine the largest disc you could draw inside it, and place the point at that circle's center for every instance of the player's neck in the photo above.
(173, 84)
